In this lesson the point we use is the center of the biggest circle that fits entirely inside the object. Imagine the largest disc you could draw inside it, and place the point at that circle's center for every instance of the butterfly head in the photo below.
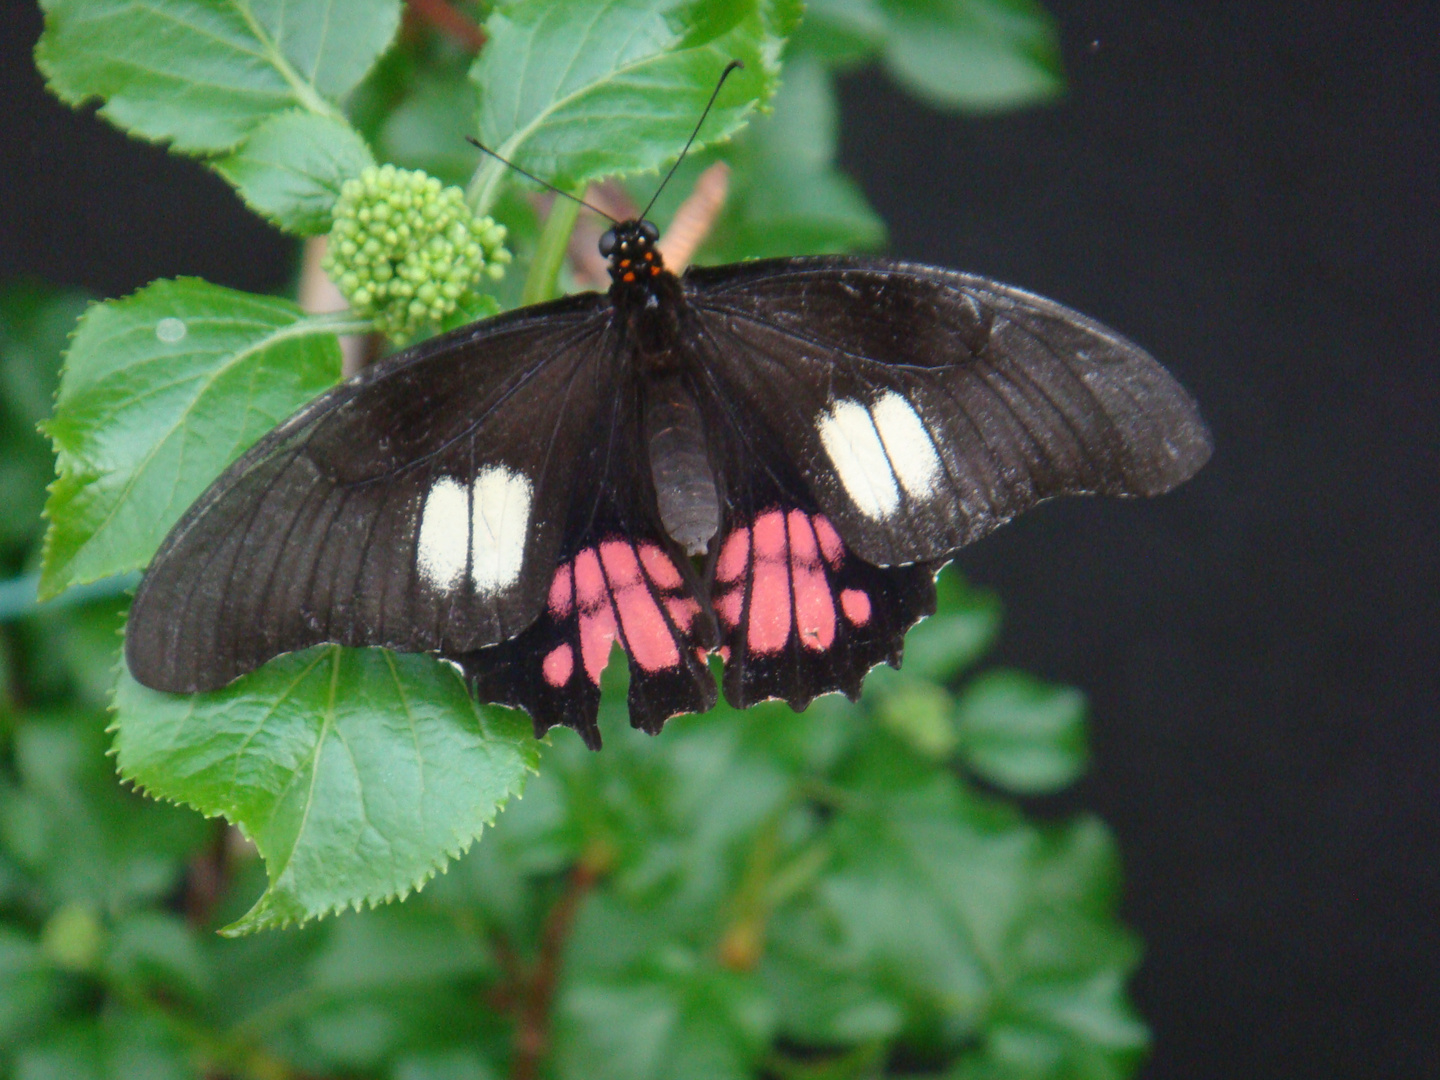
(631, 251)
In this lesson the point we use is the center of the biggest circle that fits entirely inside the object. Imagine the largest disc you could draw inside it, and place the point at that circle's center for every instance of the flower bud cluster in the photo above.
(405, 249)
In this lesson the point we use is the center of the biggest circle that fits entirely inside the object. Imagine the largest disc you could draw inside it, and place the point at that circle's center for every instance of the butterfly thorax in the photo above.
(646, 295)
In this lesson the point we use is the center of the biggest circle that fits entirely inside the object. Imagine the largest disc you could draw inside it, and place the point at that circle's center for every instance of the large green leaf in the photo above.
(577, 89)
(291, 168)
(1021, 733)
(201, 74)
(160, 392)
(358, 773)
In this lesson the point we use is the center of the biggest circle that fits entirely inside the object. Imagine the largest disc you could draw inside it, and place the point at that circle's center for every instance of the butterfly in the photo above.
(769, 460)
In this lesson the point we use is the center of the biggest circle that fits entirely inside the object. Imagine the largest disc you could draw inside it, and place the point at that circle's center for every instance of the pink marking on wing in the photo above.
(682, 611)
(770, 607)
(770, 535)
(649, 640)
(830, 545)
(562, 595)
(724, 652)
(621, 566)
(558, 665)
(589, 581)
(814, 609)
(734, 554)
(856, 606)
(597, 634)
(728, 605)
(803, 549)
(658, 565)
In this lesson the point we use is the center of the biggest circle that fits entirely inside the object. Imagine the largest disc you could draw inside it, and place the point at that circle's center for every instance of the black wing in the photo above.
(420, 506)
(924, 407)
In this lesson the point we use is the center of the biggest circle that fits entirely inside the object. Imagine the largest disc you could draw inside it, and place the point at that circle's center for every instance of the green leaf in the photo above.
(1022, 734)
(577, 90)
(84, 839)
(358, 773)
(291, 168)
(787, 197)
(975, 55)
(427, 129)
(120, 1043)
(160, 392)
(668, 1015)
(155, 950)
(29, 988)
(35, 323)
(202, 75)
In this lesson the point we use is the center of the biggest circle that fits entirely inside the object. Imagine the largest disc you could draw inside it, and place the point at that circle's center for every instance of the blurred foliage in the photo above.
(846, 893)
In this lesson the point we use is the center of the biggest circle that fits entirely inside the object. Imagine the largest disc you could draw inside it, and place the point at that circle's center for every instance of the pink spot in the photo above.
(700, 655)
(597, 634)
(814, 610)
(770, 535)
(562, 594)
(589, 582)
(621, 566)
(558, 665)
(724, 652)
(856, 605)
(802, 539)
(648, 639)
(770, 606)
(728, 606)
(658, 565)
(830, 544)
(734, 554)
(682, 611)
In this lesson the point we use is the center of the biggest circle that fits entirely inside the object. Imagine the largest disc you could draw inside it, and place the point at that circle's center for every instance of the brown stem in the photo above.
(444, 17)
(532, 1026)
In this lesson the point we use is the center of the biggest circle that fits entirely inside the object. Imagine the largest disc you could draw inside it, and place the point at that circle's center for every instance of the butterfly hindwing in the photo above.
(420, 507)
(618, 580)
(923, 407)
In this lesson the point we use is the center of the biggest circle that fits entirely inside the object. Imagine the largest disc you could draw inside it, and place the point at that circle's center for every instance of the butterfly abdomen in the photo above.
(680, 464)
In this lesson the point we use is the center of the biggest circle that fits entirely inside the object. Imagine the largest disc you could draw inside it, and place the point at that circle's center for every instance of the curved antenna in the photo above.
(713, 95)
(545, 183)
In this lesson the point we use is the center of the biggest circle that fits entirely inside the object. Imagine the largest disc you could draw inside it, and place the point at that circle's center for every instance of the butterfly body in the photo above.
(768, 460)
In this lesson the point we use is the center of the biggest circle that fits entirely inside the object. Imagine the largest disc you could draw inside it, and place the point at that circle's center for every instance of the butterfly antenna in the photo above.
(543, 183)
(708, 105)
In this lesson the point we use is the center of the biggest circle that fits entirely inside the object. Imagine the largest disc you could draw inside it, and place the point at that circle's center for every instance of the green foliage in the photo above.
(753, 894)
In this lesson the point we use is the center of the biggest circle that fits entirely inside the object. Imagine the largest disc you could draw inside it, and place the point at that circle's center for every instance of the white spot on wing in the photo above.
(907, 444)
(500, 516)
(444, 534)
(849, 437)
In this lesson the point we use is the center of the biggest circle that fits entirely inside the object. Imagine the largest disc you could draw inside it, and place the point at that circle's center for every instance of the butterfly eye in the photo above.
(607, 243)
(649, 231)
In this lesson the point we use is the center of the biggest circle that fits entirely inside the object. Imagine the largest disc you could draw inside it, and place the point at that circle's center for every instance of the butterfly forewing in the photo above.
(412, 508)
(924, 408)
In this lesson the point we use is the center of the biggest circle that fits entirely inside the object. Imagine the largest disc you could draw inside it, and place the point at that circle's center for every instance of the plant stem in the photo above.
(444, 17)
(540, 284)
(532, 1023)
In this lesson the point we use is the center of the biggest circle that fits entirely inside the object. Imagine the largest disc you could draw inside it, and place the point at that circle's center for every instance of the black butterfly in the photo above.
(769, 459)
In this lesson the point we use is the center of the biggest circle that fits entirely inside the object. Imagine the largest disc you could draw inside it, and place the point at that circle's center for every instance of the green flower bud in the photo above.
(405, 250)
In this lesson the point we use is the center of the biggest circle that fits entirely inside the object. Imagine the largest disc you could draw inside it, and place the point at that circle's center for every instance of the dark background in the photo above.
(1252, 191)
